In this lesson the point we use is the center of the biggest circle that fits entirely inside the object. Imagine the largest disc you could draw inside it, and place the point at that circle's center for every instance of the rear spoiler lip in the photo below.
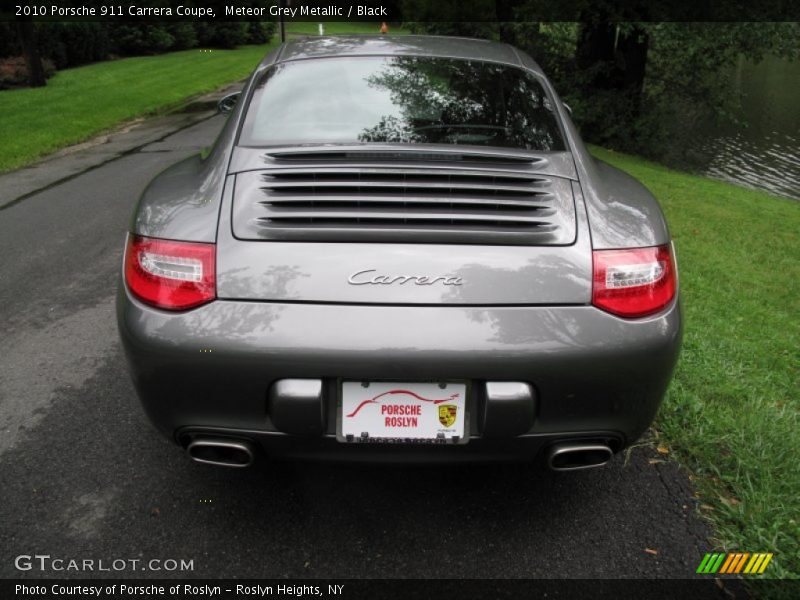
(251, 158)
(434, 151)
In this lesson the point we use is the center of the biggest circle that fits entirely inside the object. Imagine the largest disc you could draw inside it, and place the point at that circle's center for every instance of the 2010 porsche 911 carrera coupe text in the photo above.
(399, 249)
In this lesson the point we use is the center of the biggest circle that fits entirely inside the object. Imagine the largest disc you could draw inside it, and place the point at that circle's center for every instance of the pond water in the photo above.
(764, 154)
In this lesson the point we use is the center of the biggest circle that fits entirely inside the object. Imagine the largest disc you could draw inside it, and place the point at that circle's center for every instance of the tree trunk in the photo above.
(504, 13)
(618, 59)
(30, 50)
(632, 48)
(613, 63)
(595, 52)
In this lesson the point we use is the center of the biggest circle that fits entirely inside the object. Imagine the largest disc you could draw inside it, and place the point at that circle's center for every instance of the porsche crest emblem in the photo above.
(447, 414)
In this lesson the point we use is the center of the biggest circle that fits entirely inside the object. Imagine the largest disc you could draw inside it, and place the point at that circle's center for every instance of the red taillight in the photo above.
(170, 275)
(633, 283)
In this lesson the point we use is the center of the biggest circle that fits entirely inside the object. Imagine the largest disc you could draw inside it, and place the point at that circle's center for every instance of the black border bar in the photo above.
(399, 589)
(395, 11)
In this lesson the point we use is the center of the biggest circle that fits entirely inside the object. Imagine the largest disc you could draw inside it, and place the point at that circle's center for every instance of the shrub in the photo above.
(260, 32)
(221, 34)
(183, 34)
(74, 43)
(69, 44)
(14, 71)
(144, 38)
(9, 44)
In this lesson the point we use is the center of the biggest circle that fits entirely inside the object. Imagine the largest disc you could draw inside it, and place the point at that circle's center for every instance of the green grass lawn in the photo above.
(733, 411)
(79, 103)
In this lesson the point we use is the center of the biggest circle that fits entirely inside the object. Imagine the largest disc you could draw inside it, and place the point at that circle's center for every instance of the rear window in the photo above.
(408, 100)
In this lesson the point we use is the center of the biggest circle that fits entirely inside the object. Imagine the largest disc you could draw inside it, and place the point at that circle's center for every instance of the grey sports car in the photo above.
(399, 249)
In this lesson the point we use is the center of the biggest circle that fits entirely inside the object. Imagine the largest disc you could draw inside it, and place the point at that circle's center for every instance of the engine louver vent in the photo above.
(417, 205)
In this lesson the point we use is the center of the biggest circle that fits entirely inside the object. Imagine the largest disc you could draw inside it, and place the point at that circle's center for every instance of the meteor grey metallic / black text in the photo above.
(399, 249)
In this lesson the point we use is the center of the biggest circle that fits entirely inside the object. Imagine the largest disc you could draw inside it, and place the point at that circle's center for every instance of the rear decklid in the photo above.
(383, 224)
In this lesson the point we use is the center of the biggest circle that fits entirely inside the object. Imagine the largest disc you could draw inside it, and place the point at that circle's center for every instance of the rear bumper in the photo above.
(209, 370)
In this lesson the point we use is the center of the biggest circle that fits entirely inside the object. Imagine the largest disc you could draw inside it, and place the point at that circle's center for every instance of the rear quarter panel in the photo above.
(183, 201)
(622, 212)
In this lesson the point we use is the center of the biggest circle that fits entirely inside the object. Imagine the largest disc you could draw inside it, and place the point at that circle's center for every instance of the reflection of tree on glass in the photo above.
(409, 100)
(462, 102)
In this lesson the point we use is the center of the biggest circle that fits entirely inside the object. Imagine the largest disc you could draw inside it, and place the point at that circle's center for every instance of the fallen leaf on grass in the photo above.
(662, 450)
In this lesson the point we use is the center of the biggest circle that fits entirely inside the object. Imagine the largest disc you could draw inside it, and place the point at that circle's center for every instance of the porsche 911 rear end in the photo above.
(399, 251)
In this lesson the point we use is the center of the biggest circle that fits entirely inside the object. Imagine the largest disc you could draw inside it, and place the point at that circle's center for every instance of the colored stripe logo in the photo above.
(376, 399)
(734, 562)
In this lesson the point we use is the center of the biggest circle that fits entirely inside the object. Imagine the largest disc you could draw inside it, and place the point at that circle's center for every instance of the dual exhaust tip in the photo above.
(221, 452)
(239, 454)
(574, 457)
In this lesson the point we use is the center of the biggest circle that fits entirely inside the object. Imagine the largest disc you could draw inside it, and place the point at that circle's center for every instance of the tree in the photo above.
(30, 50)
(635, 86)
(611, 59)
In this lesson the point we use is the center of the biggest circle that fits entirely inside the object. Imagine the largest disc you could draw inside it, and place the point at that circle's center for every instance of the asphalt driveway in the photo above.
(83, 474)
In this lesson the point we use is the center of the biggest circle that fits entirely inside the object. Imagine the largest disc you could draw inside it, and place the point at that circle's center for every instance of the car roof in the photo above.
(400, 45)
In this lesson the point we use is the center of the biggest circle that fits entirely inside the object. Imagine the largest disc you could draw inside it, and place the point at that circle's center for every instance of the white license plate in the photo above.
(398, 412)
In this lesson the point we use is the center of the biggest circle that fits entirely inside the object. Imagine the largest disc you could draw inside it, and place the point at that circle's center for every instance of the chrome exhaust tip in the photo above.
(574, 457)
(221, 453)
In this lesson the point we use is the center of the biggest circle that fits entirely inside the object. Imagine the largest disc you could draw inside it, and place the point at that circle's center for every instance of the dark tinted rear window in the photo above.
(410, 100)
